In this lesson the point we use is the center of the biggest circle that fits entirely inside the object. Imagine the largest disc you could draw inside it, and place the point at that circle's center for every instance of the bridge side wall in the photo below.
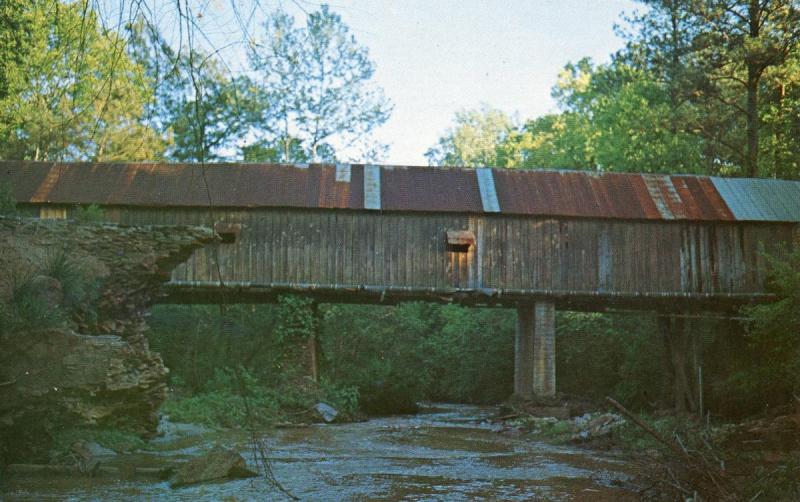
(302, 246)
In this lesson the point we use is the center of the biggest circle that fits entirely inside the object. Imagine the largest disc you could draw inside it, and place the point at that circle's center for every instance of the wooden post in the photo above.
(535, 351)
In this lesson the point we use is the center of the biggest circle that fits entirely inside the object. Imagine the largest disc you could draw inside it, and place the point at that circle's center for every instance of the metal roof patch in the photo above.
(488, 191)
(343, 173)
(760, 199)
(372, 187)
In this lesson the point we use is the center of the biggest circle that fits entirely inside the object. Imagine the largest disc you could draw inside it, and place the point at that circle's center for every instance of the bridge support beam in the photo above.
(535, 351)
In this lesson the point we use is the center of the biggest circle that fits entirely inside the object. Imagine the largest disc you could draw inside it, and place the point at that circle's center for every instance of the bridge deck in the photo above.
(210, 292)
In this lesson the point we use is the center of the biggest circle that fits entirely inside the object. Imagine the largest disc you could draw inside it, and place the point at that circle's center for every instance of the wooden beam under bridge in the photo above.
(213, 292)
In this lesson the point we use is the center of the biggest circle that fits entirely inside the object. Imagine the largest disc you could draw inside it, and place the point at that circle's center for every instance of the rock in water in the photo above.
(218, 464)
(326, 411)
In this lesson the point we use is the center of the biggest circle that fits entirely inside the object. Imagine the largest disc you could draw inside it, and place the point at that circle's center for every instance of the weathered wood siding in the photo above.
(353, 248)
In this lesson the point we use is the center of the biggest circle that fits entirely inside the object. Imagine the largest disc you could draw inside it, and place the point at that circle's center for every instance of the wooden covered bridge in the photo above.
(534, 240)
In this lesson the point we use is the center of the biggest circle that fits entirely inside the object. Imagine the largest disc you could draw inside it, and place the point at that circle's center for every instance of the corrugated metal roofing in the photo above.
(398, 188)
(760, 199)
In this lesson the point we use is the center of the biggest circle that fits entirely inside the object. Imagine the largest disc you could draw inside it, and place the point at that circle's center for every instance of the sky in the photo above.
(436, 57)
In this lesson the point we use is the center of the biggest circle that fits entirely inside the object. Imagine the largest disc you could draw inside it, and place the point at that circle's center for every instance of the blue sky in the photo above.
(436, 57)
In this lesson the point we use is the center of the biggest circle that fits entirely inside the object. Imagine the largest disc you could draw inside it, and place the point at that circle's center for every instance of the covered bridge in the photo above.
(534, 240)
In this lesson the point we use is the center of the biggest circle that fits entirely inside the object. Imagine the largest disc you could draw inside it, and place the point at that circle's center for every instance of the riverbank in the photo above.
(680, 457)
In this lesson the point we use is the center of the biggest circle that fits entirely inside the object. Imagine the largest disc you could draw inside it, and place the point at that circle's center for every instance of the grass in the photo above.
(232, 401)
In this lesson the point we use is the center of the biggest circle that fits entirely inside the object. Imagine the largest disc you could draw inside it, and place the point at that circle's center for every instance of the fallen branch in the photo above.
(638, 421)
(698, 470)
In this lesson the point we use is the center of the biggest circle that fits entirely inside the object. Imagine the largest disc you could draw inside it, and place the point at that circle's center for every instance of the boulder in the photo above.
(596, 426)
(219, 464)
(170, 431)
(326, 412)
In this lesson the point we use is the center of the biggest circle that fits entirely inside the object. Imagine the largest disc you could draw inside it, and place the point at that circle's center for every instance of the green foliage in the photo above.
(196, 340)
(230, 400)
(296, 319)
(772, 337)
(27, 309)
(375, 350)
(727, 59)
(474, 139)
(699, 88)
(32, 293)
(77, 288)
(346, 399)
(69, 90)
(602, 355)
(399, 356)
(458, 352)
(285, 149)
(238, 398)
(632, 437)
(89, 214)
(208, 114)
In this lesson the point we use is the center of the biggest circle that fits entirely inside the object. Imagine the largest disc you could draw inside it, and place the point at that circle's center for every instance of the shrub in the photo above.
(27, 310)
(89, 214)
(77, 287)
(772, 336)
(231, 401)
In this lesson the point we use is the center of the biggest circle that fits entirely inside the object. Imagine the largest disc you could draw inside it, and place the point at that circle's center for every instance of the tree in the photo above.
(208, 116)
(474, 139)
(69, 91)
(551, 141)
(198, 104)
(723, 49)
(614, 118)
(314, 89)
(627, 119)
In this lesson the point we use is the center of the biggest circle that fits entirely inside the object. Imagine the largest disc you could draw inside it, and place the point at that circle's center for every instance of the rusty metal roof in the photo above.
(398, 188)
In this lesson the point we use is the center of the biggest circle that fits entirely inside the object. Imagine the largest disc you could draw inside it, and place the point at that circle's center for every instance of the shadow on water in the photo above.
(446, 452)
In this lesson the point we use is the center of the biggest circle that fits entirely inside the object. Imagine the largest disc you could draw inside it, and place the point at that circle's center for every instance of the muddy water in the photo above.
(447, 452)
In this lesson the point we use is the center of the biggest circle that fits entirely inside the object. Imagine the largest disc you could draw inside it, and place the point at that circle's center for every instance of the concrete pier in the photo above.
(535, 351)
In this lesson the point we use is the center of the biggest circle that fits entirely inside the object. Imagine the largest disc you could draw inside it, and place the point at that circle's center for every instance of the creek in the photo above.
(445, 452)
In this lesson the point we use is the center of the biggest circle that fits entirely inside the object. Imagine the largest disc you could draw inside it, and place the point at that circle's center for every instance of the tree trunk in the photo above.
(751, 159)
(753, 78)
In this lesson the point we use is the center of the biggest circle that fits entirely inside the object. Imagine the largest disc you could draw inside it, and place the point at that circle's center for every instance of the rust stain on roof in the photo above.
(429, 189)
(520, 192)
(42, 193)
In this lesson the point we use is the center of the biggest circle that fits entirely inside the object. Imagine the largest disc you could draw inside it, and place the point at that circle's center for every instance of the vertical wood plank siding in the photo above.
(400, 249)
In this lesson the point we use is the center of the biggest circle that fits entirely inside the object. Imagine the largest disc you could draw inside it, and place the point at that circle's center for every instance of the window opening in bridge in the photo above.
(459, 241)
(52, 213)
(228, 232)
